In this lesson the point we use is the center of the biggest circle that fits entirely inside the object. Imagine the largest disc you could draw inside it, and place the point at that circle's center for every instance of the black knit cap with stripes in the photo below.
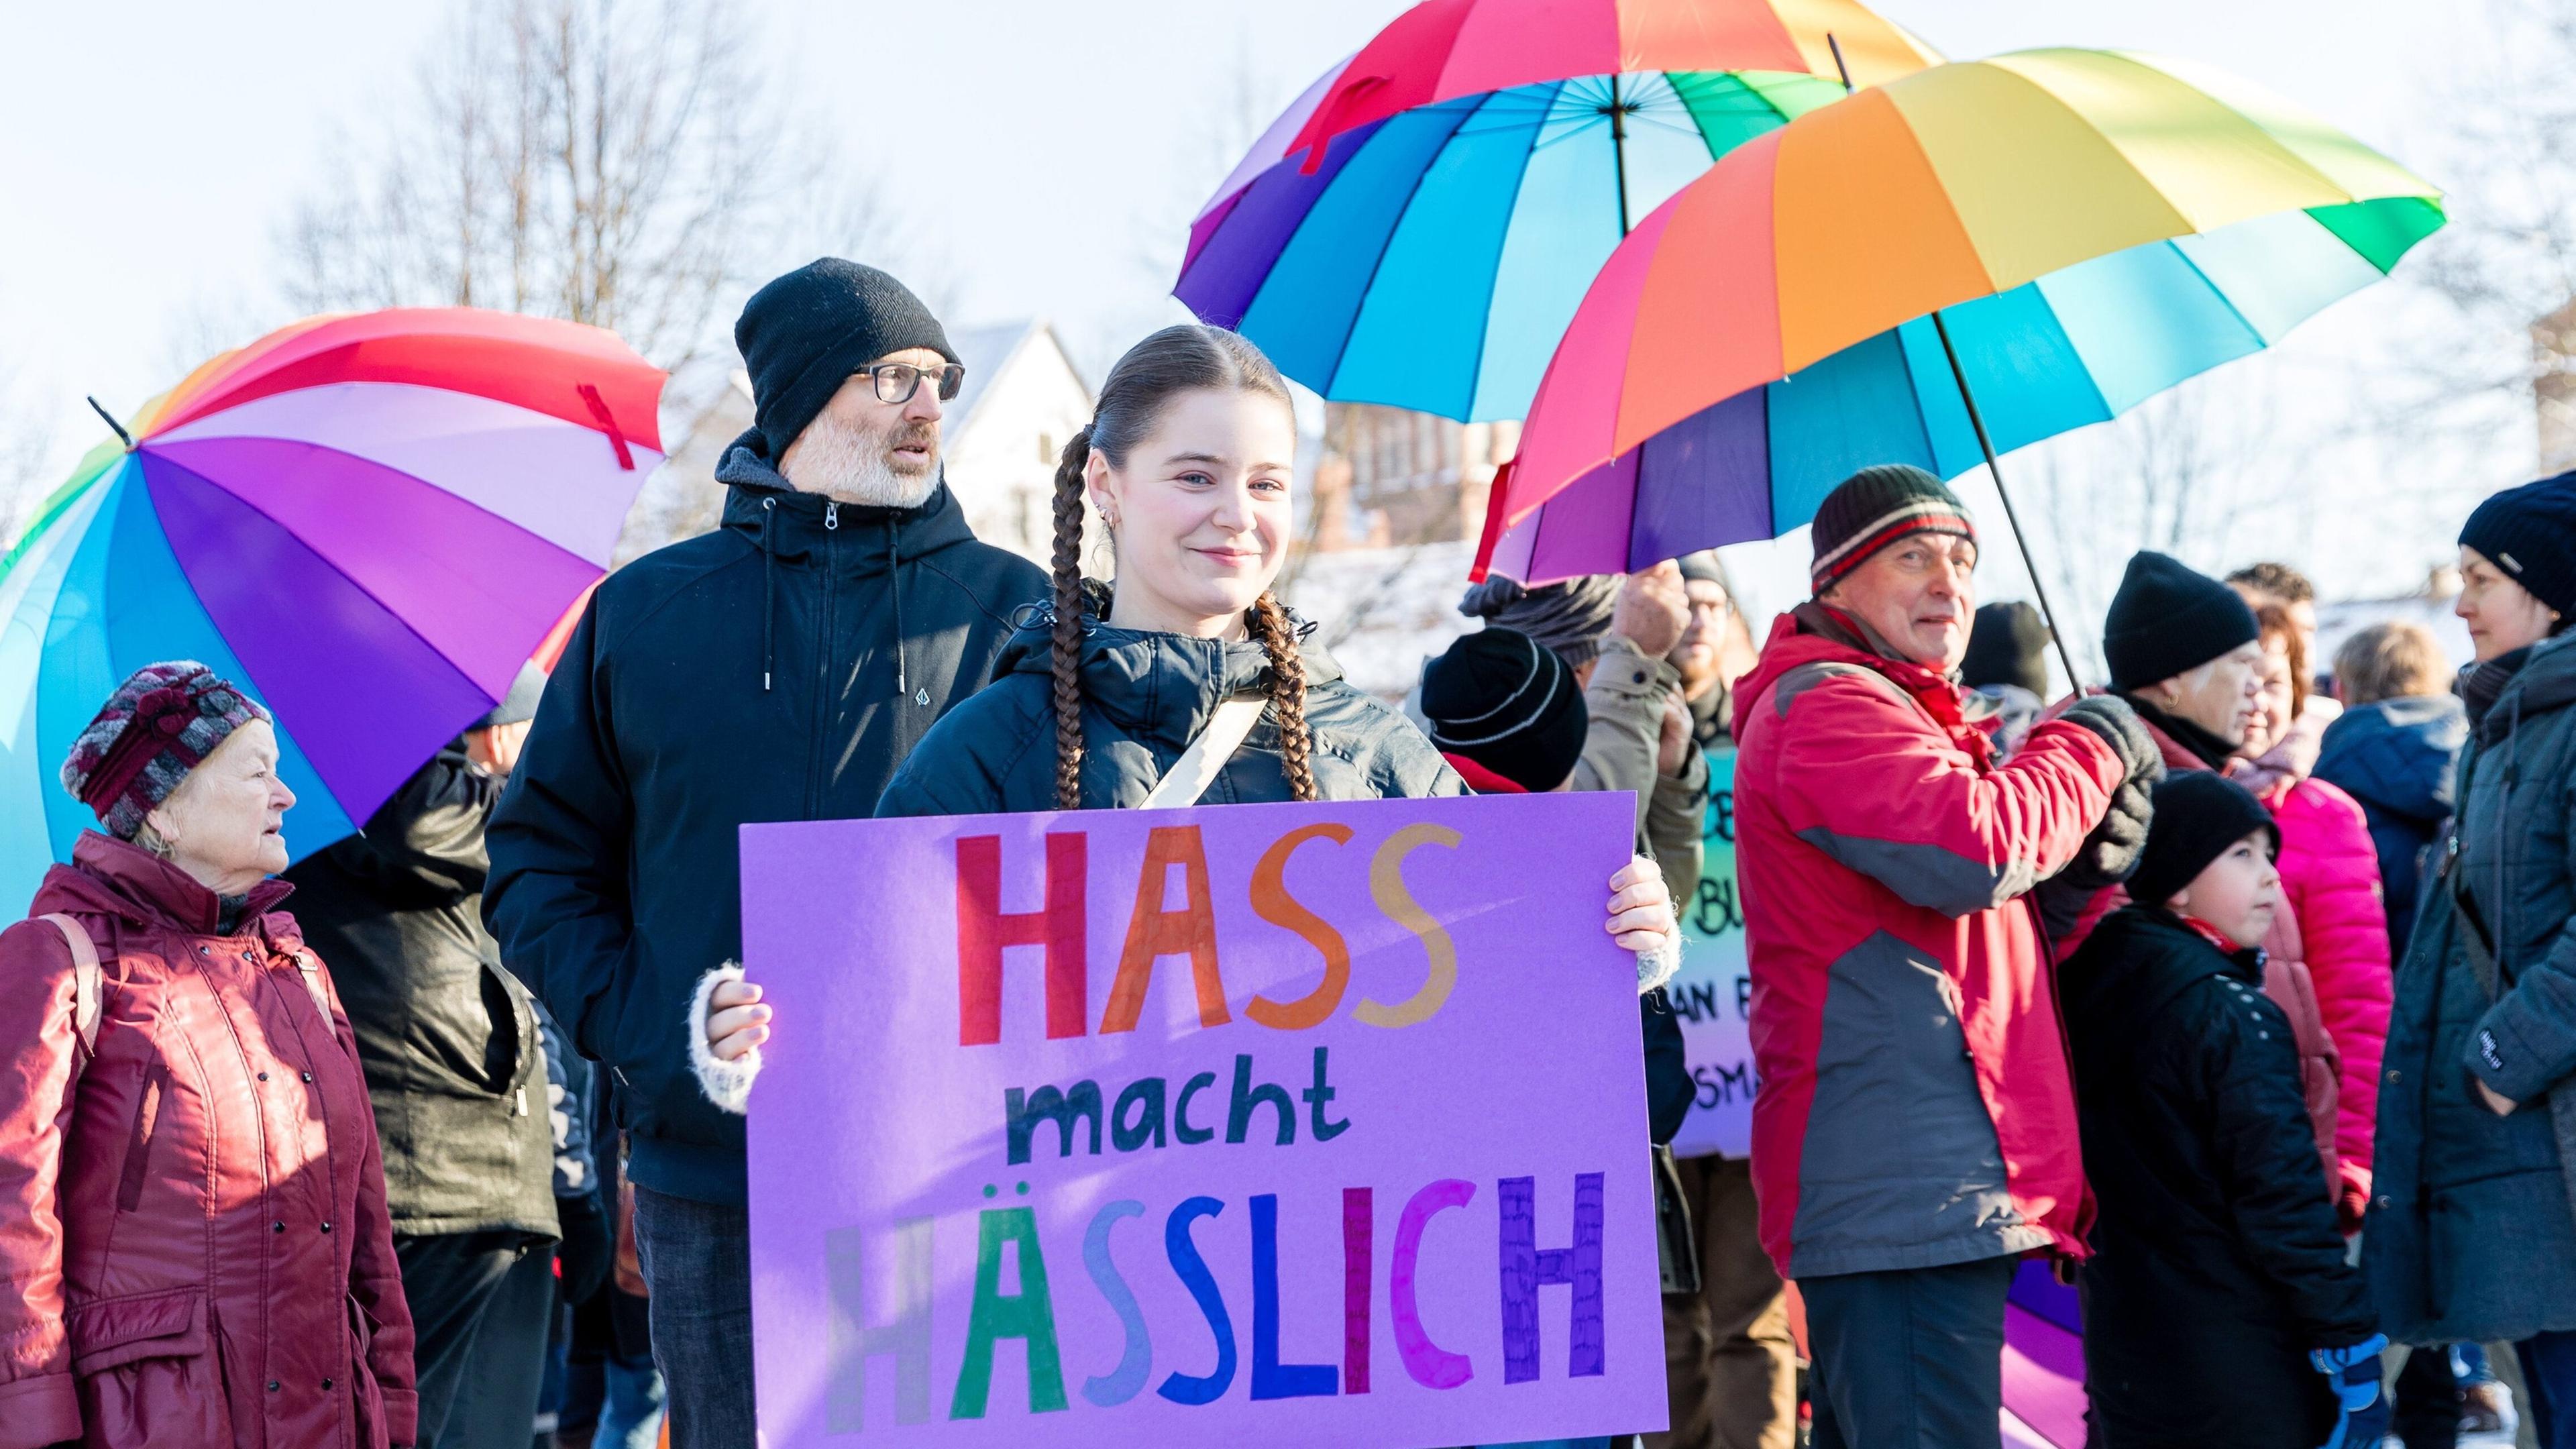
(1505, 701)
(1875, 507)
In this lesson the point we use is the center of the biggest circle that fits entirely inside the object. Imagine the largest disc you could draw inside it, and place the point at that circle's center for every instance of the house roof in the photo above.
(989, 350)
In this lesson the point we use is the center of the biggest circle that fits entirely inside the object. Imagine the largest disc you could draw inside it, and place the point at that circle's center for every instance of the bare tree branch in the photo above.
(605, 161)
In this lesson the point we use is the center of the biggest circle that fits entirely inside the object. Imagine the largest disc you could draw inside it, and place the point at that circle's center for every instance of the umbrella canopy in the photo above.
(1419, 225)
(1446, 50)
(2092, 227)
(1433, 259)
(368, 522)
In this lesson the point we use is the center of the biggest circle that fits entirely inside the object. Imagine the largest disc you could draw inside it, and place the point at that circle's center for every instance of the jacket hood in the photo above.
(2545, 683)
(1137, 678)
(110, 877)
(1796, 641)
(762, 500)
(2139, 959)
(2397, 755)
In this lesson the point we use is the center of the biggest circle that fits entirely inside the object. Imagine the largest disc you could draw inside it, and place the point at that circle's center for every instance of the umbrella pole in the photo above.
(2021, 540)
(1619, 152)
(1977, 420)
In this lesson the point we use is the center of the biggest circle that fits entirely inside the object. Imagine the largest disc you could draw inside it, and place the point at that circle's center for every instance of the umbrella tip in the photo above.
(121, 433)
(1834, 43)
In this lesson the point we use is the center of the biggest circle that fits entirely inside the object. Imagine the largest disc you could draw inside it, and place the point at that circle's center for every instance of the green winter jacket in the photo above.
(1145, 696)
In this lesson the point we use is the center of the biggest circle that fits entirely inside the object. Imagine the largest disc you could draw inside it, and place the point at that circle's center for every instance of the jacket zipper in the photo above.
(823, 659)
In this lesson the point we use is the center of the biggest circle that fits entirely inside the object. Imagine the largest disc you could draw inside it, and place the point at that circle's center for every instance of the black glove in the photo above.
(2109, 717)
(2110, 853)
(587, 1248)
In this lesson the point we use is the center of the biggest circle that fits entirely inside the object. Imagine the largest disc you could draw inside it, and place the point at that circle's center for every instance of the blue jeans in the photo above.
(630, 1415)
(697, 1261)
(2549, 1377)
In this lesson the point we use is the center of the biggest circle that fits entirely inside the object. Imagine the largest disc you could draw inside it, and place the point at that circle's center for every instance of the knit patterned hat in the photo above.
(1571, 618)
(2530, 533)
(160, 723)
(1875, 507)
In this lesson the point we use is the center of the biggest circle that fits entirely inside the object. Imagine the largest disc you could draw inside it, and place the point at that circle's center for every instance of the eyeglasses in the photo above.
(896, 382)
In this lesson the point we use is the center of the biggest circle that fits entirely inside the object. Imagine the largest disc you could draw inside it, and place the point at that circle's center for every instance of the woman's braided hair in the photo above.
(1173, 361)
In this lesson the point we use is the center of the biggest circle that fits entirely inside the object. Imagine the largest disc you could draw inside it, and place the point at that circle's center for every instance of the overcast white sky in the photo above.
(152, 149)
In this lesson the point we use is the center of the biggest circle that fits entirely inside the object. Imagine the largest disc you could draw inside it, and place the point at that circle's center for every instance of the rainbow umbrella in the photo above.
(1418, 226)
(2065, 232)
(369, 522)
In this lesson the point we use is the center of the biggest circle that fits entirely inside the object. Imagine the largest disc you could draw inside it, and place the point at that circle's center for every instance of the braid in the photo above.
(1065, 653)
(1287, 694)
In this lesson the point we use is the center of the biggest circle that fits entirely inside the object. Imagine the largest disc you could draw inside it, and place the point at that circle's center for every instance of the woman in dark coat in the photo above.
(2472, 1229)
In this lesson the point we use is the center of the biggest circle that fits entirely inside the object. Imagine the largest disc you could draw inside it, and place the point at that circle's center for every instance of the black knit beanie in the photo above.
(804, 334)
(1506, 702)
(1875, 507)
(2008, 645)
(2198, 814)
(2530, 533)
(2168, 619)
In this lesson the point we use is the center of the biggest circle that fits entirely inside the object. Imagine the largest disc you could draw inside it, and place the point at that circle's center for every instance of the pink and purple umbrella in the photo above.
(369, 522)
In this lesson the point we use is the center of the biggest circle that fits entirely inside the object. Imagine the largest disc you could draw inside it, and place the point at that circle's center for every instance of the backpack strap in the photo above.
(310, 968)
(1199, 765)
(86, 976)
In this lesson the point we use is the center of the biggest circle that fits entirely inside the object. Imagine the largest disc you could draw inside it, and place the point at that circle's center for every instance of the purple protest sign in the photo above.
(1254, 1124)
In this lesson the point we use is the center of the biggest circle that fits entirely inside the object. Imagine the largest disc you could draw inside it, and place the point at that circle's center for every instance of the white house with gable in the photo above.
(1006, 429)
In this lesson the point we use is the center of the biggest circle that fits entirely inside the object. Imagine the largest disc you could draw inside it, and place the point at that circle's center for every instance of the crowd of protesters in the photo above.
(2244, 998)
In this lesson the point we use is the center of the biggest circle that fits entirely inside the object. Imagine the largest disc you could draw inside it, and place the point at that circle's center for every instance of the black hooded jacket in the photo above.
(779, 668)
(2217, 1263)
(448, 1039)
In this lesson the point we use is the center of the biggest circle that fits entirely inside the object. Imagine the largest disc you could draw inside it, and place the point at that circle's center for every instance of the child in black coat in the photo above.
(2219, 1309)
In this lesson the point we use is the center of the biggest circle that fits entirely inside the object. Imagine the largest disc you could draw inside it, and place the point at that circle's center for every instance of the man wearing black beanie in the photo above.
(2186, 654)
(776, 669)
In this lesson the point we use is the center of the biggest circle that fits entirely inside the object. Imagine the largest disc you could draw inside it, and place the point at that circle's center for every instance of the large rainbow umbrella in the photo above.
(1417, 227)
(2087, 228)
(369, 522)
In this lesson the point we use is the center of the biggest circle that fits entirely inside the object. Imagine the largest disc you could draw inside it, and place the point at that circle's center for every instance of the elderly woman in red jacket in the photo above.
(193, 1234)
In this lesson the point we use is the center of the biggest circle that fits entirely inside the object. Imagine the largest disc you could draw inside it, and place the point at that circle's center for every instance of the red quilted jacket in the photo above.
(1916, 1108)
(193, 1237)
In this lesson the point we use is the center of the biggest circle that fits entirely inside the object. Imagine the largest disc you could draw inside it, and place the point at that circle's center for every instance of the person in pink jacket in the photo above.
(194, 1246)
(2337, 925)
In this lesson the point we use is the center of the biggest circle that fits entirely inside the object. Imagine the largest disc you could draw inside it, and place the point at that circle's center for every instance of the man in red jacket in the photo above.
(1915, 1132)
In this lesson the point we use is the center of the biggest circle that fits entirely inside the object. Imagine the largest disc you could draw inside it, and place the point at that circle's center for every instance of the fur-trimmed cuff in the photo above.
(1656, 964)
(726, 1083)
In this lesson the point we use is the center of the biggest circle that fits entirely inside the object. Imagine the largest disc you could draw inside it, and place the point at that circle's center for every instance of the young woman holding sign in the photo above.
(1186, 681)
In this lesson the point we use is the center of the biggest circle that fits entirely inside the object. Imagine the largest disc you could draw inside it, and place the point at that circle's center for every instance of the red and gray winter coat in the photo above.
(193, 1233)
(1916, 1106)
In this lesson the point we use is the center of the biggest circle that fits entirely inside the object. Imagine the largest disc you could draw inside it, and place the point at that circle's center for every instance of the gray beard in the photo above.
(849, 467)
